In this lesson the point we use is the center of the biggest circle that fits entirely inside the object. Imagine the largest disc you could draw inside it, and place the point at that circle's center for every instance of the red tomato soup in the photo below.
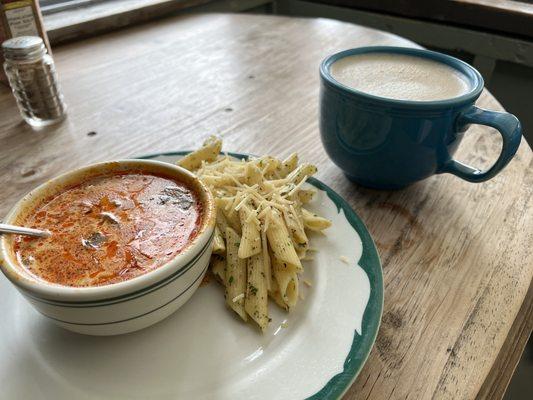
(109, 229)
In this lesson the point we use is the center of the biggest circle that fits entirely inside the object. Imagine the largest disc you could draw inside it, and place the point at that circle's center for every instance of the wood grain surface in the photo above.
(457, 257)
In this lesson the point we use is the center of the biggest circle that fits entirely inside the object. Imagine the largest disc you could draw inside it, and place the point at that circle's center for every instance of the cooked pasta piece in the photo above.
(225, 205)
(266, 260)
(256, 299)
(302, 171)
(218, 267)
(275, 295)
(219, 247)
(280, 241)
(287, 281)
(251, 238)
(235, 279)
(208, 152)
(253, 174)
(313, 222)
(288, 165)
(296, 230)
(222, 224)
(305, 195)
(268, 165)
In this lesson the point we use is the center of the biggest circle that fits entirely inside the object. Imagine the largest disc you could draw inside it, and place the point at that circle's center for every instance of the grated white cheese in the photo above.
(344, 259)
(242, 202)
(232, 177)
(298, 186)
(238, 297)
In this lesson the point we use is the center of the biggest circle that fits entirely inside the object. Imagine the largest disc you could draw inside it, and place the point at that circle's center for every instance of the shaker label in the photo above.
(21, 22)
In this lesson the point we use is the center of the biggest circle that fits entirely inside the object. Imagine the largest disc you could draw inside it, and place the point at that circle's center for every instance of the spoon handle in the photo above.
(20, 230)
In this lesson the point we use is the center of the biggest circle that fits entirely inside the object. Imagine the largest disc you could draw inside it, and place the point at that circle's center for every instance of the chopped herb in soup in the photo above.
(109, 229)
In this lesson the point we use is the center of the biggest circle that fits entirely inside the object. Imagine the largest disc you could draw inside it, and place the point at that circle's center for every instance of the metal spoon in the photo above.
(20, 230)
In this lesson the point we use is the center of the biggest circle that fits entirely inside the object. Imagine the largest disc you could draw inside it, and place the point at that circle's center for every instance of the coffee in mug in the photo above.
(392, 116)
(399, 76)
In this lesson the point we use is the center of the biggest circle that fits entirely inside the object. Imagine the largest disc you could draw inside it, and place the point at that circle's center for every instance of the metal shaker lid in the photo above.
(24, 48)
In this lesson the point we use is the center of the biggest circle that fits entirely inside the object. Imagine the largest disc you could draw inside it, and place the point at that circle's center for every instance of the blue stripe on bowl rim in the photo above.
(135, 317)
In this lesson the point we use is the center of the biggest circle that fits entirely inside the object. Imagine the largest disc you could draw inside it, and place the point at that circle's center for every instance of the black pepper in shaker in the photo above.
(33, 79)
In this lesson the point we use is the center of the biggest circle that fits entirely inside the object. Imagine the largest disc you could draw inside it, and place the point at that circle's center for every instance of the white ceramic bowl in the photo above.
(120, 307)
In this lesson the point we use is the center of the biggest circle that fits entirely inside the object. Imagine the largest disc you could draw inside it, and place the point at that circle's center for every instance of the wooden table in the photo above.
(457, 257)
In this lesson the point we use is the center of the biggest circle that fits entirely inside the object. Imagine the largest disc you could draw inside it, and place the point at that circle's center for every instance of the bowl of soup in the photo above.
(130, 243)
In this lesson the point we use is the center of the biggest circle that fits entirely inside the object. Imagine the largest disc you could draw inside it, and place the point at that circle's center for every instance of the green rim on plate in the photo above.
(370, 263)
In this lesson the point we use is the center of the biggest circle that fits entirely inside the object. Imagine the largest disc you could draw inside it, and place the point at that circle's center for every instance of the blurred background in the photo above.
(495, 36)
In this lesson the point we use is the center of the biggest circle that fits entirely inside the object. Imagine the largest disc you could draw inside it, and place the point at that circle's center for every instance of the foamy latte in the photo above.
(400, 77)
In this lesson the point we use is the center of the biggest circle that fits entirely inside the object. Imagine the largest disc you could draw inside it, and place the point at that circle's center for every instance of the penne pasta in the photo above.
(253, 174)
(276, 296)
(256, 299)
(280, 241)
(287, 282)
(219, 247)
(208, 152)
(222, 224)
(288, 165)
(296, 230)
(235, 279)
(225, 205)
(266, 260)
(301, 172)
(218, 267)
(305, 195)
(268, 165)
(313, 222)
(261, 232)
(251, 238)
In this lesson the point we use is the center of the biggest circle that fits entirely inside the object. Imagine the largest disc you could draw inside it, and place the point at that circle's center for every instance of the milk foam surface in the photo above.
(400, 77)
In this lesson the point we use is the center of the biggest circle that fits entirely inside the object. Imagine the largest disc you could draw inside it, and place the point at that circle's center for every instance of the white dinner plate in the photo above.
(204, 351)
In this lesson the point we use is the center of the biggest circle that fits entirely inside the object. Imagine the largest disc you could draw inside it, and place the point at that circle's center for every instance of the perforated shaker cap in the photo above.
(24, 48)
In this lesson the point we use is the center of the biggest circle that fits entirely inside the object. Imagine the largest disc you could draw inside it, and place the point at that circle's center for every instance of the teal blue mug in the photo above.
(389, 144)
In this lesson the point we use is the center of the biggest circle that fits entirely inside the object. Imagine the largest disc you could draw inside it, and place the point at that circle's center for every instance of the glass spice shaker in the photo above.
(33, 79)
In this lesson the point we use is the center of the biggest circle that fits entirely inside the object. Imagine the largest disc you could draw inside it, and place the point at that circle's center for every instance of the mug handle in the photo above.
(510, 129)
